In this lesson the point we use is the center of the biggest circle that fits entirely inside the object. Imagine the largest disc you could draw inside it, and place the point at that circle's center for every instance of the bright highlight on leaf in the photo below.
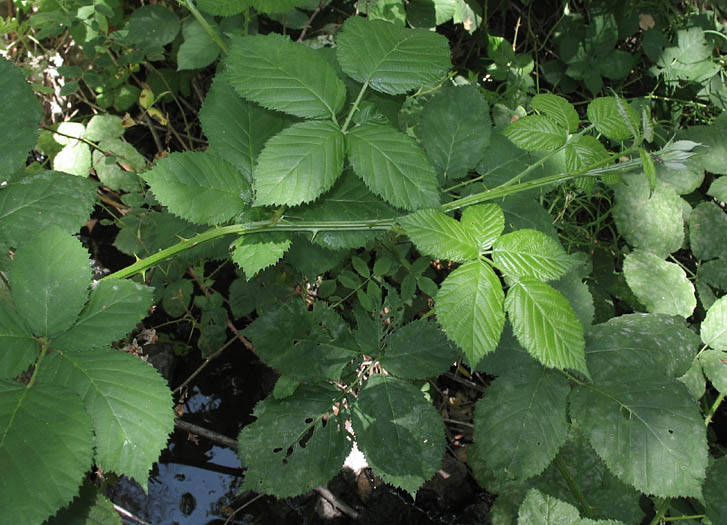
(714, 326)
(440, 236)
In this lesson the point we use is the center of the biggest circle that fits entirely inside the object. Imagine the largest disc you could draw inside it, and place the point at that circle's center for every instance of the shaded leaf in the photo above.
(708, 231)
(19, 347)
(198, 49)
(418, 350)
(716, 504)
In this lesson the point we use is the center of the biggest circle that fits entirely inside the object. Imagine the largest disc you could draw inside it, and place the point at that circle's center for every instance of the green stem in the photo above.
(661, 510)
(354, 107)
(203, 22)
(43, 349)
(713, 410)
(573, 486)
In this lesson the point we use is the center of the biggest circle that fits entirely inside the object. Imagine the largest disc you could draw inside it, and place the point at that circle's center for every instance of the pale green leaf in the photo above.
(393, 166)
(389, 58)
(46, 198)
(153, 26)
(399, 432)
(557, 109)
(236, 129)
(113, 309)
(129, 402)
(659, 285)
(683, 181)
(280, 74)
(708, 231)
(583, 152)
(19, 347)
(281, 460)
(579, 296)
(224, 7)
(124, 153)
(714, 273)
(521, 423)
(469, 307)
(647, 164)
(104, 127)
(604, 113)
(199, 187)
(718, 189)
(712, 155)
(714, 326)
(455, 130)
(652, 222)
(75, 158)
(49, 276)
(418, 350)
(198, 49)
(90, 507)
(111, 175)
(536, 133)
(41, 471)
(430, 13)
(546, 325)
(694, 380)
(440, 236)
(715, 502)
(299, 164)
(484, 222)
(530, 253)
(21, 113)
(714, 365)
(390, 10)
(254, 253)
(541, 509)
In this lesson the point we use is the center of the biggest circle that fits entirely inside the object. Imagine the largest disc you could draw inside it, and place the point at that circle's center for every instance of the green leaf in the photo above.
(389, 58)
(521, 423)
(224, 7)
(656, 437)
(153, 26)
(29, 205)
(653, 223)
(129, 402)
(198, 49)
(484, 222)
(199, 187)
(58, 464)
(714, 273)
(541, 509)
(546, 325)
(19, 347)
(715, 502)
(536, 133)
(90, 507)
(104, 127)
(399, 432)
(279, 74)
(299, 164)
(393, 166)
(647, 163)
(708, 231)
(718, 189)
(281, 460)
(604, 113)
(661, 286)
(418, 350)
(236, 129)
(49, 276)
(714, 326)
(713, 155)
(21, 113)
(278, 6)
(113, 310)
(455, 130)
(683, 181)
(530, 253)
(557, 109)
(440, 236)
(254, 253)
(714, 365)
(469, 307)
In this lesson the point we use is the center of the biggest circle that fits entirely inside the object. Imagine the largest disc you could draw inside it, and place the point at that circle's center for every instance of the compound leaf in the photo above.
(546, 325)
(113, 310)
(485, 222)
(530, 253)
(49, 276)
(469, 308)
(129, 402)
(53, 468)
(279, 459)
(418, 350)
(199, 187)
(391, 59)
(280, 74)
(535, 133)
(714, 326)
(393, 166)
(521, 423)
(661, 286)
(399, 432)
(298, 164)
(440, 236)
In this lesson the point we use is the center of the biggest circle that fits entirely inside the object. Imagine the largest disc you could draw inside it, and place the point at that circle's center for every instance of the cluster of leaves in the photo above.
(331, 164)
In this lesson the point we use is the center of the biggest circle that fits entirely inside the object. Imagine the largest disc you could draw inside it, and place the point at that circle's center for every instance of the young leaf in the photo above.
(647, 163)
(418, 350)
(714, 326)
(298, 164)
(455, 130)
(280, 74)
(56, 473)
(604, 113)
(536, 133)
(393, 166)
(236, 129)
(557, 109)
(521, 423)
(469, 308)
(389, 58)
(530, 253)
(129, 402)
(440, 236)
(48, 197)
(49, 275)
(199, 187)
(112, 311)
(19, 346)
(485, 222)
(279, 459)
(546, 325)
(399, 432)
